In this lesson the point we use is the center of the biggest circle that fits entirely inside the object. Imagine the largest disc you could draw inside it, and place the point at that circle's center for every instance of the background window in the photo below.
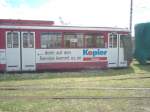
(73, 40)
(51, 40)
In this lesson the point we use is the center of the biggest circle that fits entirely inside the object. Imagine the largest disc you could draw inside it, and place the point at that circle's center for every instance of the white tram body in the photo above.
(29, 45)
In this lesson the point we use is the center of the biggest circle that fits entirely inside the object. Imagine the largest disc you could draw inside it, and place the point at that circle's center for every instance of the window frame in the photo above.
(79, 36)
(50, 36)
(112, 42)
(94, 36)
(28, 39)
(12, 39)
(76, 38)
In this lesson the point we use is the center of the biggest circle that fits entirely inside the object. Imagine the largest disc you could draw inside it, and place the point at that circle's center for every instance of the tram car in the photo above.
(32, 45)
(142, 46)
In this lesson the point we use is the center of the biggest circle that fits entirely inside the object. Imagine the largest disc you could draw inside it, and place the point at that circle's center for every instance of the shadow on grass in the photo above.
(143, 67)
(66, 74)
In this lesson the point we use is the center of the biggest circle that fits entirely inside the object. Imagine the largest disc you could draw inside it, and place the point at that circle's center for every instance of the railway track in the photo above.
(68, 88)
(71, 98)
(23, 88)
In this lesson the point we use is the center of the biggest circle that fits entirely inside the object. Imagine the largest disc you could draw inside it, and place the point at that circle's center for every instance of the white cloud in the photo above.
(80, 12)
(90, 12)
(141, 11)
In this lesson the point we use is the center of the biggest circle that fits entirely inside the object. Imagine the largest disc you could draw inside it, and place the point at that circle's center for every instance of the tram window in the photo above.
(9, 40)
(31, 40)
(45, 40)
(25, 40)
(70, 41)
(122, 37)
(28, 40)
(110, 42)
(15, 40)
(57, 40)
(73, 40)
(12, 40)
(100, 41)
(121, 42)
(51, 40)
(80, 40)
(89, 41)
(113, 41)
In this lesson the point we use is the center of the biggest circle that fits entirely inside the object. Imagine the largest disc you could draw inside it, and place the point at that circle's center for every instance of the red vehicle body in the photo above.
(29, 45)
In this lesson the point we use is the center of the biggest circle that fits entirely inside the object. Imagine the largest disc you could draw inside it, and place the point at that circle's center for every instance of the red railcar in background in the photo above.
(29, 45)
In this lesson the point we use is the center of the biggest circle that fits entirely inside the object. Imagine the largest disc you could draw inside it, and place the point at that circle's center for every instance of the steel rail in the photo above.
(72, 98)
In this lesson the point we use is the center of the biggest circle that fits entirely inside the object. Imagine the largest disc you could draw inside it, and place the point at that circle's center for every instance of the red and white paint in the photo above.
(35, 58)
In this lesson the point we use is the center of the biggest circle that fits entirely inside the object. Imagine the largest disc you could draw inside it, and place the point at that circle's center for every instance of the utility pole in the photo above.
(131, 13)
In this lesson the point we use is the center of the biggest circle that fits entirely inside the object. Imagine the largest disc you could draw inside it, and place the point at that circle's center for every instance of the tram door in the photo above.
(122, 53)
(28, 51)
(13, 51)
(113, 50)
(116, 50)
(20, 51)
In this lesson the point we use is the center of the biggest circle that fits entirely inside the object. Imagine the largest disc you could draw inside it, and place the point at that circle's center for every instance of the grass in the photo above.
(77, 83)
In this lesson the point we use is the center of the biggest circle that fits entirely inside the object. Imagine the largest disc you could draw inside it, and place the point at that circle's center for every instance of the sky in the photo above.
(100, 13)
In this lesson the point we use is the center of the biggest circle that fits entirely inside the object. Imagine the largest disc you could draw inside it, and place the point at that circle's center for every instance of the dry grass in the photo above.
(78, 83)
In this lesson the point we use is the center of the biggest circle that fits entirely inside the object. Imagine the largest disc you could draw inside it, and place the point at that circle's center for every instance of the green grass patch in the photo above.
(50, 84)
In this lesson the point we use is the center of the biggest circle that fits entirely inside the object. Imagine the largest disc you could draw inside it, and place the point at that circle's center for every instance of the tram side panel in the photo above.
(64, 58)
(2, 51)
(71, 58)
(83, 58)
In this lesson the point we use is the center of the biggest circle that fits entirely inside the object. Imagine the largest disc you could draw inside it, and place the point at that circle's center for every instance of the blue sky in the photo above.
(31, 3)
(109, 13)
